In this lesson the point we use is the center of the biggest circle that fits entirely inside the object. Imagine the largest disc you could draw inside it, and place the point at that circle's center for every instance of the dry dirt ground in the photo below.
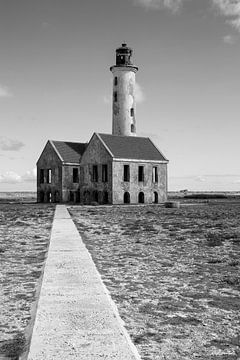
(174, 274)
(24, 237)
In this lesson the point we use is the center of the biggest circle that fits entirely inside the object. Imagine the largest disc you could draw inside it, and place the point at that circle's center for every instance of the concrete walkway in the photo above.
(76, 318)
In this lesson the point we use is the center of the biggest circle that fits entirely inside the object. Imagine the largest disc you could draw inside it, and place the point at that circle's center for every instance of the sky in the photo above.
(55, 82)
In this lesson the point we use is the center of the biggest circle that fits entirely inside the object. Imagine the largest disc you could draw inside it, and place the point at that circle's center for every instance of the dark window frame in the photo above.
(104, 173)
(140, 173)
(75, 175)
(155, 174)
(126, 173)
(115, 81)
(95, 173)
(49, 176)
(41, 176)
(141, 197)
(115, 96)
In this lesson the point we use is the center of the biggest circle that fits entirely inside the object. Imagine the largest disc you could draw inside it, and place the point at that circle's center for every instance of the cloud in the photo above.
(139, 94)
(172, 5)
(229, 39)
(7, 144)
(10, 177)
(228, 8)
(30, 175)
(4, 92)
(231, 10)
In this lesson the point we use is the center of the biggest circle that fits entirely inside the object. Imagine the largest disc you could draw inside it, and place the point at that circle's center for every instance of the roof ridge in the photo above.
(125, 136)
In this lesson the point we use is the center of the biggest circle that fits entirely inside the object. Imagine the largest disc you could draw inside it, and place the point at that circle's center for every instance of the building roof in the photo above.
(132, 147)
(70, 152)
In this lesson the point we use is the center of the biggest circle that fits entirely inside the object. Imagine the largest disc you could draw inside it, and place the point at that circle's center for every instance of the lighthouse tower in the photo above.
(124, 102)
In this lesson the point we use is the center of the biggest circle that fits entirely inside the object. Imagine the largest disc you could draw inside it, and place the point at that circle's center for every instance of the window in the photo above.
(115, 81)
(126, 173)
(41, 196)
(141, 198)
(49, 176)
(115, 96)
(49, 196)
(126, 198)
(104, 173)
(78, 196)
(141, 173)
(132, 111)
(75, 175)
(155, 197)
(105, 197)
(132, 128)
(155, 174)
(95, 196)
(41, 176)
(95, 173)
(71, 196)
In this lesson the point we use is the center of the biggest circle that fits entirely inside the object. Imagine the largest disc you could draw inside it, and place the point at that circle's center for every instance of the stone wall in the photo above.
(134, 187)
(70, 190)
(49, 191)
(95, 191)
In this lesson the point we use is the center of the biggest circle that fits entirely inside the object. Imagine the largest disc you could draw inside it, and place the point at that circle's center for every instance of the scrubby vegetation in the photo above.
(205, 196)
(174, 274)
(24, 237)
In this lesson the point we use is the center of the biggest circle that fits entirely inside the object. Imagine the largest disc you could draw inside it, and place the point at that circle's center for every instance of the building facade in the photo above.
(117, 168)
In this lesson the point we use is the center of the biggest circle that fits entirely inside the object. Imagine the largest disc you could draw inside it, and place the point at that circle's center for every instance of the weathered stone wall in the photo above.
(95, 154)
(148, 187)
(52, 191)
(70, 189)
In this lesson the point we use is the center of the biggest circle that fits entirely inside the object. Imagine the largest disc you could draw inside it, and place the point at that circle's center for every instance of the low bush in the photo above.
(205, 196)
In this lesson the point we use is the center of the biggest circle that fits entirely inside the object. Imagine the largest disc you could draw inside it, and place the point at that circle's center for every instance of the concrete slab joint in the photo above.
(76, 317)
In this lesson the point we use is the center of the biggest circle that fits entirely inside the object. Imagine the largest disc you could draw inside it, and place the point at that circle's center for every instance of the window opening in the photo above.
(132, 111)
(126, 198)
(141, 198)
(41, 196)
(155, 174)
(41, 176)
(71, 196)
(57, 196)
(86, 197)
(95, 173)
(126, 173)
(104, 173)
(75, 175)
(49, 176)
(115, 81)
(49, 197)
(132, 128)
(105, 197)
(141, 173)
(78, 196)
(155, 197)
(95, 195)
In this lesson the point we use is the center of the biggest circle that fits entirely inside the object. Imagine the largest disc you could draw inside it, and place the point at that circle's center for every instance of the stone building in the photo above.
(109, 169)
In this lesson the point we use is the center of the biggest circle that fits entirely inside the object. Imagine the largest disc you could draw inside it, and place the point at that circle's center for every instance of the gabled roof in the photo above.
(69, 152)
(131, 147)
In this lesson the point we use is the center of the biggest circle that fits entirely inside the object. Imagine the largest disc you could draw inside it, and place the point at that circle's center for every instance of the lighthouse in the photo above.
(124, 99)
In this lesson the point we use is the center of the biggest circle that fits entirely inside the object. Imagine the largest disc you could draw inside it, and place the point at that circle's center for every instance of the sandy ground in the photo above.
(174, 274)
(24, 237)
